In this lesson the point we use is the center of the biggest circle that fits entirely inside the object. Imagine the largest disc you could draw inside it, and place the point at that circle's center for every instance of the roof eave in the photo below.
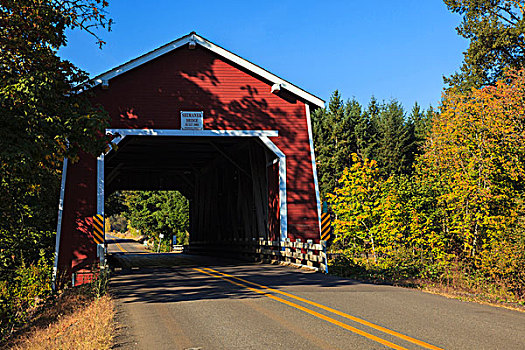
(134, 63)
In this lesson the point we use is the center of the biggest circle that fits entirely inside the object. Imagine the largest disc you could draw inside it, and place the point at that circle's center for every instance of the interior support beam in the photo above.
(225, 155)
(113, 174)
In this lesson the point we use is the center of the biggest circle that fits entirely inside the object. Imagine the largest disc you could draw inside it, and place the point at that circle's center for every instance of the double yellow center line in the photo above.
(263, 290)
(120, 247)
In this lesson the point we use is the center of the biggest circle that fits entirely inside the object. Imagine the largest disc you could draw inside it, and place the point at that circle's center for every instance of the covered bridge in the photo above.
(235, 139)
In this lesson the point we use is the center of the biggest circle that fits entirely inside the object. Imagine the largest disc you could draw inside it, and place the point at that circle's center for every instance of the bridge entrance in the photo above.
(231, 182)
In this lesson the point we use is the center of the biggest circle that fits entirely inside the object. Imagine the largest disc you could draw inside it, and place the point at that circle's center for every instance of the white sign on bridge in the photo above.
(191, 120)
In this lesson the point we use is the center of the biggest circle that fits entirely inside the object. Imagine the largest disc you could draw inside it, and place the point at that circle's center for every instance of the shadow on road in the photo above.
(167, 277)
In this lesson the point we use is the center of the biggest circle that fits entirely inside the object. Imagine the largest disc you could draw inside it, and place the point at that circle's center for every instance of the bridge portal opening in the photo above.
(158, 219)
(231, 183)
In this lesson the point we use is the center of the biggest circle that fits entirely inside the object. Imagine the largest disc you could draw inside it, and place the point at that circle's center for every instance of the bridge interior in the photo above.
(231, 184)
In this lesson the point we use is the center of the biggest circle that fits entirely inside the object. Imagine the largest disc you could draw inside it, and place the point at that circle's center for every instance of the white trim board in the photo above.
(283, 207)
(314, 167)
(100, 186)
(178, 132)
(197, 39)
(59, 221)
(263, 135)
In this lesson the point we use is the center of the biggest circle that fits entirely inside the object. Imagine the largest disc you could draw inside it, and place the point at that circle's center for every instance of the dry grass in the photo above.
(74, 322)
(472, 295)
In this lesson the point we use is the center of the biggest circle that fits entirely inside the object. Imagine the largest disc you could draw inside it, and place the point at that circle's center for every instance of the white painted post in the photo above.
(100, 207)
(100, 185)
(59, 223)
(314, 167)
(283, 208)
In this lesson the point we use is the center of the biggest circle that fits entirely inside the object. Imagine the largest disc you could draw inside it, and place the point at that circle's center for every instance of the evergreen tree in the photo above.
(421, 123)
(365, 131)
(394, 140)
(380, 132)
(323, 150)
(334, 138)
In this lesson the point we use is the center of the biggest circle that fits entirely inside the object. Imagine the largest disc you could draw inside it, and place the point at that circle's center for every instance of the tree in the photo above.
(496, 30)
(114, 204)
(158, 212)
(334, 139)
(44, 117)
(355, 202)
(380, 132)
(422, 123)
(394, 137)
(365, 131)
(476, 157)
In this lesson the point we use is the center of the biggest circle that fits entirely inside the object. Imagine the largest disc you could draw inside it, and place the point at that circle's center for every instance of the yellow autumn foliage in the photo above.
(462, 206)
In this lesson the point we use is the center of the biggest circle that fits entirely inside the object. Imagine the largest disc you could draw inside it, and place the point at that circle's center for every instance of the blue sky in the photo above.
(390, 49)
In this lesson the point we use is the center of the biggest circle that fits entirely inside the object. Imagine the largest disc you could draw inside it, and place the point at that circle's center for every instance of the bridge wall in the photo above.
(232, 98)
(153, 95)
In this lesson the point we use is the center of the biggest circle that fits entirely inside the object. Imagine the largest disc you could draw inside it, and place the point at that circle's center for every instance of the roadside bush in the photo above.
(504, 264)
(394, 267)
(28, 287)
(116, 223)
(98, 287)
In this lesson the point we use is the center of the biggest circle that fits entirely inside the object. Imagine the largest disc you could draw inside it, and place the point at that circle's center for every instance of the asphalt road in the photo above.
(177, 301)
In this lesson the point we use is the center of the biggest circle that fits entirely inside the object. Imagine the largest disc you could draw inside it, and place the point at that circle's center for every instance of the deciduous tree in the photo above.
(44, 117)
(477, 154)
(157, 212)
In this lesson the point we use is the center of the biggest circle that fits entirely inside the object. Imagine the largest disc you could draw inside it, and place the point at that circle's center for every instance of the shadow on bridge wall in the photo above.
(153, 95)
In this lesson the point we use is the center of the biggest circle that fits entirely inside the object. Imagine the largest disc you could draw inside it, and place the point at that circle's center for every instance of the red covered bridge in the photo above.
(191, 116)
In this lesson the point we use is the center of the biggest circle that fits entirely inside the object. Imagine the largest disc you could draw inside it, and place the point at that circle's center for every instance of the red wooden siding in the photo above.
(152, 96)
(80, 204)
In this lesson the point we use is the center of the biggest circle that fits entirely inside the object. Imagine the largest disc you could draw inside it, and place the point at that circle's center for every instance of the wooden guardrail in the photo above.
(177, 249)
(308, 254)
(312, 255)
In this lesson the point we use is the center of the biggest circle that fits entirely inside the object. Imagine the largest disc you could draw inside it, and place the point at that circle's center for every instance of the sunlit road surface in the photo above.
(123, 245)
(177, 301)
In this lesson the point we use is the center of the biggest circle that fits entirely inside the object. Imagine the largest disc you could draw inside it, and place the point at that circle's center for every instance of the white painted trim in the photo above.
(117, 140)
(314, 167)
(114, 142)
(178, 132)
(283, 206)
(134, 63)
(216, 49)
(101, 254)
(59, 222)
(100, 185)
(259, 71)
(100, 202)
